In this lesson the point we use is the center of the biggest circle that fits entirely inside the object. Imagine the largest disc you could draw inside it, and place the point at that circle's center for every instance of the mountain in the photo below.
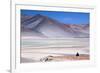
(43, 26)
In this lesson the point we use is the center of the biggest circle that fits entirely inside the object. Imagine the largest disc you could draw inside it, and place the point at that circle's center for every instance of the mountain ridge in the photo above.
(52, 28)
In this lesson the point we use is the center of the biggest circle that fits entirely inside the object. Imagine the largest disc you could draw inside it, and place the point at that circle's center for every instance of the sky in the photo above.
(63, 17)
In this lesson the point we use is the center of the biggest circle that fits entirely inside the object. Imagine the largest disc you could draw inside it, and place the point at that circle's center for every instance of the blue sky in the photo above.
(63, 17)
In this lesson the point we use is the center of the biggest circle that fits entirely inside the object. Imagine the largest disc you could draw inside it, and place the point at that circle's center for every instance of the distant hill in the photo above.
(43, 26)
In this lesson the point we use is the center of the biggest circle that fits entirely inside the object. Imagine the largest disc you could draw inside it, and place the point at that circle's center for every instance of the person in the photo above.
(77, 54)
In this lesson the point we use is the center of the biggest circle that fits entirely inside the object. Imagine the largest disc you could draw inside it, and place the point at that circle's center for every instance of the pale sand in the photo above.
(29, 55)
(36, 50)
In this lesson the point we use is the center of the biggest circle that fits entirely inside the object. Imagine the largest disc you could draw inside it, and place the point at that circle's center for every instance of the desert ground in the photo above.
(45, 50)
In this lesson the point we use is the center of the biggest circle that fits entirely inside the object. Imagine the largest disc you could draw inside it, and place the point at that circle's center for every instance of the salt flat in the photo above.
(32, 50)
